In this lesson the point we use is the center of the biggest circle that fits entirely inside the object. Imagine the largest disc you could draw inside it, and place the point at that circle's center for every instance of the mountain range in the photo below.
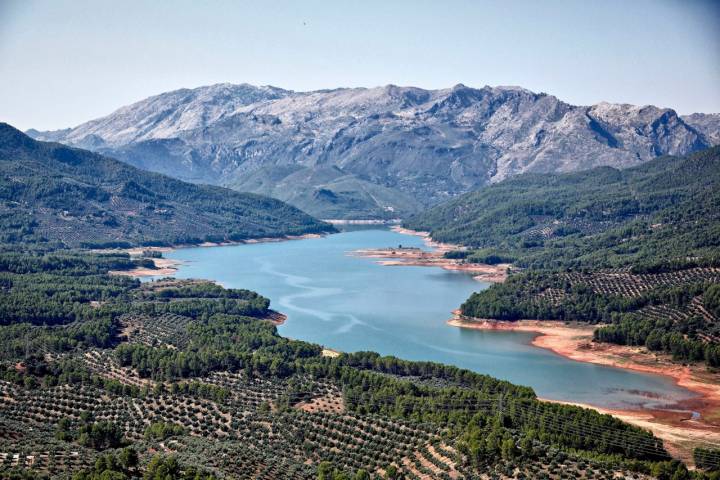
(381, 152)
(72, 197)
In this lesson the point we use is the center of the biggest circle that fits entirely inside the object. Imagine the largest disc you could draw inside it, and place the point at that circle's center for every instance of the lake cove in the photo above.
(350, 303)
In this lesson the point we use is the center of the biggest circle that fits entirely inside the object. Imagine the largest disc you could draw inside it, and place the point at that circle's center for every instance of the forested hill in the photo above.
(51, 192)
(668, 208)
(638, 249)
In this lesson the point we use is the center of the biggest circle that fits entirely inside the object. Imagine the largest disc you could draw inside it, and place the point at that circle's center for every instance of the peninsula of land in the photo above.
(435, 257)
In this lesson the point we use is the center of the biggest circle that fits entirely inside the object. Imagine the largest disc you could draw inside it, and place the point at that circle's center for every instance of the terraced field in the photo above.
(241, 438)
(623, 283)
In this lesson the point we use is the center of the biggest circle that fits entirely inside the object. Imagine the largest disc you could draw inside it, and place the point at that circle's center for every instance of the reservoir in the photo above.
(351, 303)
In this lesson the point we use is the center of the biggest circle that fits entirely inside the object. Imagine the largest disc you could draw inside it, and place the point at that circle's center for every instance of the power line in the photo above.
(634, 440)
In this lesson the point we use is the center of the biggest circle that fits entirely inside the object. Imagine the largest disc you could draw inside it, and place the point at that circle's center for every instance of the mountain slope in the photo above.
(53, 192)
(637, 249)
(706, 123)
(328, 191)
(417, 147)
(666, 208)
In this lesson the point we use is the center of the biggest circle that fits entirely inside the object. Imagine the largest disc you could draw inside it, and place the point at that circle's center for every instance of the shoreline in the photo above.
(677, 426)
(168, 266)
(427, 239)
(340, 221)
(415, 257)
(679, 437)
(275, 317)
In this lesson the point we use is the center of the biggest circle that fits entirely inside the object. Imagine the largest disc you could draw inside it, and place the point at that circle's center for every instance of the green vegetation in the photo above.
(636, 249)
(666, 210)
(100, 435)
(194, 367)
(99, 373)
(667, 313)
(708, 459)
(125, 466)
(161, 468)
(50, 193)
(161, 430)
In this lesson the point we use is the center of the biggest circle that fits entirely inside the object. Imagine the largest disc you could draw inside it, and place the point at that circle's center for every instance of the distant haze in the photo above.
(64, 62)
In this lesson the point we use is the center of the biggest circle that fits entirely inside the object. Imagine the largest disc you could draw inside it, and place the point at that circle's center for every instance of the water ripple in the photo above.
(288, 302)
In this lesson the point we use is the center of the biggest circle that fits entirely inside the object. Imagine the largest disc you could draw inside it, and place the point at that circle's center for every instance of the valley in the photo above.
(352, 304)
(195, 371)
(180, 361)
(651, 405)
(369, 240)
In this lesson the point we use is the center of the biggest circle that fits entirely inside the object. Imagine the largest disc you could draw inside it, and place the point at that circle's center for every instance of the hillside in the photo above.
(328, 192)
(50, 192)
(382, 152)
(637, 249)
(665, 209)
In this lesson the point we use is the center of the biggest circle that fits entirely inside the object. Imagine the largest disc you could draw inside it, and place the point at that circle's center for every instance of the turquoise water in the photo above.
(351, 303)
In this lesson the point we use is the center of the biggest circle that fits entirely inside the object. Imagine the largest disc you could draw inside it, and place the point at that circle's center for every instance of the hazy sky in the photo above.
(65, 62)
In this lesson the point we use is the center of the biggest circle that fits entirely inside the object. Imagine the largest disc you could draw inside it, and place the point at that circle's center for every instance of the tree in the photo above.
(100, 436)
(507, 448)
(362, 475)
(162, 468)
(391, 472)
(128, 458)
(62, 431)
(325, 471)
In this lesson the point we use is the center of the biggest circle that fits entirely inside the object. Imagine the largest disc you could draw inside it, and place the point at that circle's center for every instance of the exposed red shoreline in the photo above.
(678, 429)
(434, 258)
(675, 425)
(274, 317)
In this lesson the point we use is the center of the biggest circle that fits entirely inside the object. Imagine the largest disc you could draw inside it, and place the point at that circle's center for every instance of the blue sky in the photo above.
(65, 62)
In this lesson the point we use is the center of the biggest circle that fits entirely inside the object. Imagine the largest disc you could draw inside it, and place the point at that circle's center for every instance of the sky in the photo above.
(63, 62)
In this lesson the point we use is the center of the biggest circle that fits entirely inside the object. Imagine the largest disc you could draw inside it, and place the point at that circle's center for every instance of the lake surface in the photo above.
(351, 303)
